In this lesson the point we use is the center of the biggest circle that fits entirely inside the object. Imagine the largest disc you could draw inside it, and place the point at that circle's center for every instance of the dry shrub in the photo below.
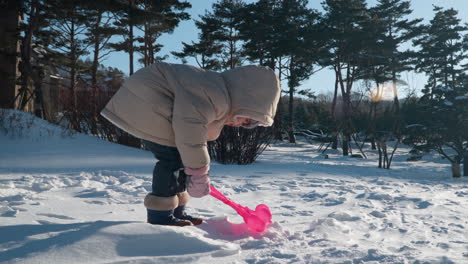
(240, 146)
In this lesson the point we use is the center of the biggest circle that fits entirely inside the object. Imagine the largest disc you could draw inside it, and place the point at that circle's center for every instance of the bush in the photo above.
(81, 113)
(240, 146)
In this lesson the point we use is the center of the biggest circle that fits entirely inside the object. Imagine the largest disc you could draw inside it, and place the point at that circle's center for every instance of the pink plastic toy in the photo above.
(256, 221)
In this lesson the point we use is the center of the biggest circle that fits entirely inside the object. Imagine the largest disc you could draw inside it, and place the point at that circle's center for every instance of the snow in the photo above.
(448, 103)
(443, 89)
(462, 97)
(77, 199)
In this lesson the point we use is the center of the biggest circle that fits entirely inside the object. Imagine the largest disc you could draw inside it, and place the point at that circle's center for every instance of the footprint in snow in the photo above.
(333, 202)
(6, 211)
(312, 196)
(305, 213)
(63, 217)
(423, 205)
(96, 202)
(93, 194)
(377, 214)
(344, 217)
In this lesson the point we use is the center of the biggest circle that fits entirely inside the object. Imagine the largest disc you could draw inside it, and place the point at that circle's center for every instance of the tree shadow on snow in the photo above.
(29, 239)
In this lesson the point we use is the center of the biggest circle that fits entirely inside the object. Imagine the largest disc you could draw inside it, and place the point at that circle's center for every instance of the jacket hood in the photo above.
(254, 93)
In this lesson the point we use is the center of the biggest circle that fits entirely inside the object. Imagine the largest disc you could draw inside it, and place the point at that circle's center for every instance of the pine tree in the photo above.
(345, 23)
(206, 50)
(100, 31)
(445, 98)
(225, 14)
(299, 43)
(219, 46)
(258, 28)
(391, 28)
(67, 38)
(160, 17)
(385, 61)
(31, 71)
(128, 16)
(442, 50)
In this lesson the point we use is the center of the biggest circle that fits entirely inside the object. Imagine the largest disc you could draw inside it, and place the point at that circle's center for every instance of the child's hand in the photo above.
(198, 181)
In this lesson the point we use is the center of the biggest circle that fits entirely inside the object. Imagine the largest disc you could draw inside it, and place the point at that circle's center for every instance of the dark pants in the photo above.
(169, 177)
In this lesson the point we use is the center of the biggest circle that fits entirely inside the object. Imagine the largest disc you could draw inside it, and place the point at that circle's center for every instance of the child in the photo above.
(176, 109)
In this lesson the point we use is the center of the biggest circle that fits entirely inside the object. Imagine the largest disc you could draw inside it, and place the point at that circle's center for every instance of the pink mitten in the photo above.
(199, 181)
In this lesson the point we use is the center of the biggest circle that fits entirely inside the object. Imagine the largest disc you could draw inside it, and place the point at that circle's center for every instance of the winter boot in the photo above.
(161, 211)
(180, 213)
(165, 218)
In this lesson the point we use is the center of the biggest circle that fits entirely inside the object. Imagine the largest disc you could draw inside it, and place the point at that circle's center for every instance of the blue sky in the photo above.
(321, 82)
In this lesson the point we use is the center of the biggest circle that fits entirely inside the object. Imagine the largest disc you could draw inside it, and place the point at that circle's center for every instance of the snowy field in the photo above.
(79, 200)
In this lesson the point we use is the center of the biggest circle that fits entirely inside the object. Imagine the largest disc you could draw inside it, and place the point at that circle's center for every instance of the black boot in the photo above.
(166, 218)
(180, 213)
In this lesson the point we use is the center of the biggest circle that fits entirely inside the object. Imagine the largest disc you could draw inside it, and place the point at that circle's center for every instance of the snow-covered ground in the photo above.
(79, 200)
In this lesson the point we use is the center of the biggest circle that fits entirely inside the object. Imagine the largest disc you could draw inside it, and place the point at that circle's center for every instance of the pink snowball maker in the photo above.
(256, 221)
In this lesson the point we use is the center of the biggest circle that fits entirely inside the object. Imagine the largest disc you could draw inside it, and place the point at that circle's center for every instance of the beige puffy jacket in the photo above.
(184, 106)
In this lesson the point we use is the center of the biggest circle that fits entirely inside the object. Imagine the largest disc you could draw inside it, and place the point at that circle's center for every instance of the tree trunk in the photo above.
(333, 115)
(347, 123)
(38, 99)
(130, 49)
(278, 124)
(456, 172)
(345, 144)
(465, 163)
(373, 119)
(379, 149)
(292, 137)
(130, 36)
(96, 52)
(26, 55)
(73, 62)
(9, 47)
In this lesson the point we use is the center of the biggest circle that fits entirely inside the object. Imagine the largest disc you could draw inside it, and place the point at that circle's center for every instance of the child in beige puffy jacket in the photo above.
(176, 109)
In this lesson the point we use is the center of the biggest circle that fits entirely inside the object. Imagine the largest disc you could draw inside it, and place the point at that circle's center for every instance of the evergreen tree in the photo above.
(385, 59)
(225, 13)
(67, 30)
(160, 17)
(219, 45)
(441, 50)
(206, 50)
(345, 23)
(259, 29)
(100, 31)
(128, 16)
(445, 98)
(299, 43)
(442, 125)
(67, 42)
(391, 29)
(30, 66)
